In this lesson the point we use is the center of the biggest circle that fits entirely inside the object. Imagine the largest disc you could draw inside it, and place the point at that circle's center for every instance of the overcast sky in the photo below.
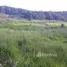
(38, 5)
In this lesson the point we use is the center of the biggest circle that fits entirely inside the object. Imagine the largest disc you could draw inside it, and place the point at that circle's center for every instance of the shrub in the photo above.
(62, 26)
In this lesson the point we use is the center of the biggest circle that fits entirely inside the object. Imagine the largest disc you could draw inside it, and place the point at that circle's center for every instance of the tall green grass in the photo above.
(19, 45)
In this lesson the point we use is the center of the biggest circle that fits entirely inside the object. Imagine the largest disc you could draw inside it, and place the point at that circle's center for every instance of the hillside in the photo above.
(33, 15)
(33, 44)
(32, 38)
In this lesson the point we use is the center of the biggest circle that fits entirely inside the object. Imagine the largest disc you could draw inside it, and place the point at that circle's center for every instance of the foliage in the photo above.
(20, 43)
(30, 15)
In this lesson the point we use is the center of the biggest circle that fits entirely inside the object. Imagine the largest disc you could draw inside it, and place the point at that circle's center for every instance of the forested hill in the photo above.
(36, 15)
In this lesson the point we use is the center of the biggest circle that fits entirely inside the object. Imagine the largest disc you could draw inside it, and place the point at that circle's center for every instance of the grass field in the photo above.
(33, 44)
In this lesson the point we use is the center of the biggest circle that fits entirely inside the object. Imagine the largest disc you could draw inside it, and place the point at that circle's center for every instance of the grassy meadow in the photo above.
(21, 43)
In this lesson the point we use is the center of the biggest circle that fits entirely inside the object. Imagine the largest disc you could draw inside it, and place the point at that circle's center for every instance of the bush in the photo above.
(62, 26)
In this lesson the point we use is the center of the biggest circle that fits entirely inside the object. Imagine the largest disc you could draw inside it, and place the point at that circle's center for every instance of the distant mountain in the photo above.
(36, 15)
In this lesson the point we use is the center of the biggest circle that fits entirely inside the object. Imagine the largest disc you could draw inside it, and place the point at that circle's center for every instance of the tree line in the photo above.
(36, 15)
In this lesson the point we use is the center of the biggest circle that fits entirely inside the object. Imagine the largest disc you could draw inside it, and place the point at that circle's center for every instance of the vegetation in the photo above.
(20, 43)
(33, 15)
(62, 25)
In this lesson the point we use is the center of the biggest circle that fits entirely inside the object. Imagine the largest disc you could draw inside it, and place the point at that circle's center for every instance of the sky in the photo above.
(37, 5)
